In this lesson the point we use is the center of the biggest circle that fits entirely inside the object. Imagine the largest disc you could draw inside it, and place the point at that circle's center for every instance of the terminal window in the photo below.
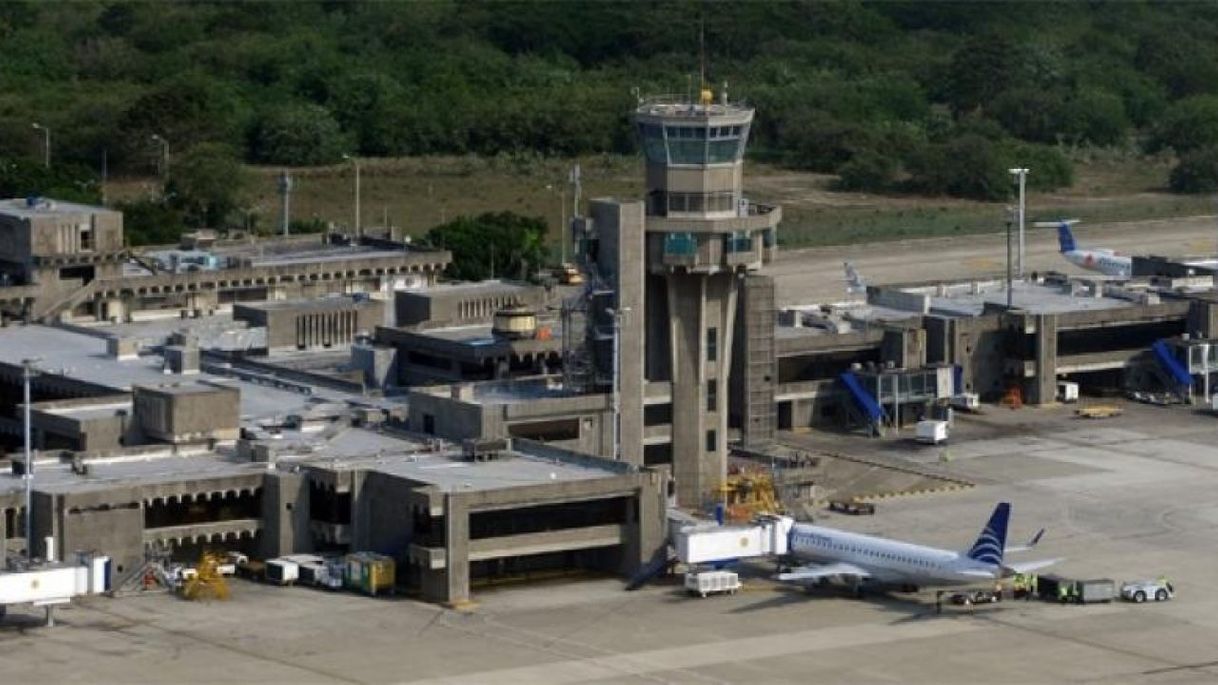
(712, 344)
(712, 441)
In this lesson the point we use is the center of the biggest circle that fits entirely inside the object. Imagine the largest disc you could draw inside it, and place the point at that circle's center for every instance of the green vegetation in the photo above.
(499, 244)
(897, 97)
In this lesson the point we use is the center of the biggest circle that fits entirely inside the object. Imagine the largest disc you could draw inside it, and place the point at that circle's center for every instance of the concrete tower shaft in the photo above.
(702, 236)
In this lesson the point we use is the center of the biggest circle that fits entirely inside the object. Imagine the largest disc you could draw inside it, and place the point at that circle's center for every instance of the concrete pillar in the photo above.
(285, 515)
(1044, 385)
(452, 584)
(696, 304)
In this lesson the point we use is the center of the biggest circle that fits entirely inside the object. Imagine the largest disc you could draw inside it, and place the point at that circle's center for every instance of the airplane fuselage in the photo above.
(1103, 262)
(888, 561)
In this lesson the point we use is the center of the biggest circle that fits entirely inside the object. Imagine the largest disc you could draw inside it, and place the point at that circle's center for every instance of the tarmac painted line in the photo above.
(714, 653)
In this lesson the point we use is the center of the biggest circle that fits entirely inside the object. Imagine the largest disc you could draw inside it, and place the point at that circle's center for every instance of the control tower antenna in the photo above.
(705, 96)
(702, 53)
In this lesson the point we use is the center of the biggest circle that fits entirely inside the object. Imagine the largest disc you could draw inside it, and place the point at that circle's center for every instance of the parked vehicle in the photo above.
(852, 508)
(975, 597)
(966, 402)
(1067, 391)
(931, 432)
(282, 571)
(1141, 590)
(1094, 591)
(705, 583)
(1066, 590)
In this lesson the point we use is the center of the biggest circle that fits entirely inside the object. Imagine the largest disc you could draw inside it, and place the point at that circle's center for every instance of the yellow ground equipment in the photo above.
(1098, 411)
(747, 492)
(370, 573)
(207, 582)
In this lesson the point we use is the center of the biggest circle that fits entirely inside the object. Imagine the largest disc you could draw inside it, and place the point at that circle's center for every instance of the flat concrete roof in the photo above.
(321, 303)
(19, 208)
(135, 468)
(450, 472)
(266, 253)
(219, 331)
(490, 287)
(188, 387)
(82, 357)
(507, 391)
(970, 299)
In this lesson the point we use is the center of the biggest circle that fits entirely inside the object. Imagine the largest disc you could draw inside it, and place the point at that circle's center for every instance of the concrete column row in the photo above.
(326, 328)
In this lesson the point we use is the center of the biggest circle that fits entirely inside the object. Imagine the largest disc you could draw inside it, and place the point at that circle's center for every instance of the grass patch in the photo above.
(417, 193)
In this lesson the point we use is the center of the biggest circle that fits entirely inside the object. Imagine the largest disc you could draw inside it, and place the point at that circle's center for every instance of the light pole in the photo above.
(160, 140)
(617, 379)
(355, 163)
(27, 374)
(562, 221)
(46, 144)
(1021, 176)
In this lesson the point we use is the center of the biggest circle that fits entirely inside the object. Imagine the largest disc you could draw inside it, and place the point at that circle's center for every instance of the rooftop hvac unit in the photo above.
(483, 449)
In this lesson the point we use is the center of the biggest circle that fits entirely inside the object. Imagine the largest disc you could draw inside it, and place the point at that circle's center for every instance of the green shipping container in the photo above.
(370, 573)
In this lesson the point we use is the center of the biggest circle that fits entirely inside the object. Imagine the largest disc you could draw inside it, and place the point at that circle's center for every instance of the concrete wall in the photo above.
(310, 324)
(462, 304)
(620, 261)
(188, 415)
(754, 364)
(285, 514)
(464, 416)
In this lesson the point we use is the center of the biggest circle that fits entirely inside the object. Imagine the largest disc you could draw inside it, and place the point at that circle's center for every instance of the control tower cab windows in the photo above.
(692, 144)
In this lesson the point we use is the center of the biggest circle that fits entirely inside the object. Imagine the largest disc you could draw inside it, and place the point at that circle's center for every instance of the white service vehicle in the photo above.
(1067, 391)
(710, 582)
(931, 432)
(1139, 591)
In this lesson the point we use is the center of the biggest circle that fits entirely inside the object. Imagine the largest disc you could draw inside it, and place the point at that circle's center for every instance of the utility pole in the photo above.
(355, 163)
(105, 176)
(26, 375)
(617, 380)
(46, 144)
(1021, 176)
(285, 194)
(158, 138)
(1010, 295)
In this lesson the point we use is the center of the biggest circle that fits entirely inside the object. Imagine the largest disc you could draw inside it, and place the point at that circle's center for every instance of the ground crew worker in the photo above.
(938, 602)
(1033, 590)
(1063, 593)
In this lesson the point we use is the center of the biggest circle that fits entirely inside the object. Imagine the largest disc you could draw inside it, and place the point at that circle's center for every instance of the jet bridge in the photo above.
(709, 543)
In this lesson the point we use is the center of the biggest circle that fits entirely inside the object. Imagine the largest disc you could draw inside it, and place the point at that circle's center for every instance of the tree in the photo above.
(299, 135)
(969, 166)
(208, 185)
(190, 109)
(22, 177)
(492, 244)
(1196, 172)
(981, 68)
(151, 222)
(868, 170)
(1189, 124)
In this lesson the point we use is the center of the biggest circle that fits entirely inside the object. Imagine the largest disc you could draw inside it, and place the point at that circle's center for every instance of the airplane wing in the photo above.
(819, 571)
(1027, 566)
(1023, 548)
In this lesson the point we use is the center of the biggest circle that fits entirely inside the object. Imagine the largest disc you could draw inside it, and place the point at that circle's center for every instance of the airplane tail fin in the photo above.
(993, 539)
(854, 281)
(1065, 238)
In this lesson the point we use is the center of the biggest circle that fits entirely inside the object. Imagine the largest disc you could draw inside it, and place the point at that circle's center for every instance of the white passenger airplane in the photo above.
(1106, 262)
(830, 553)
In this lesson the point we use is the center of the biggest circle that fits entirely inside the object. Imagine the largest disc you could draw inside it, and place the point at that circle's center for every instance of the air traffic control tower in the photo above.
(702, 237)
